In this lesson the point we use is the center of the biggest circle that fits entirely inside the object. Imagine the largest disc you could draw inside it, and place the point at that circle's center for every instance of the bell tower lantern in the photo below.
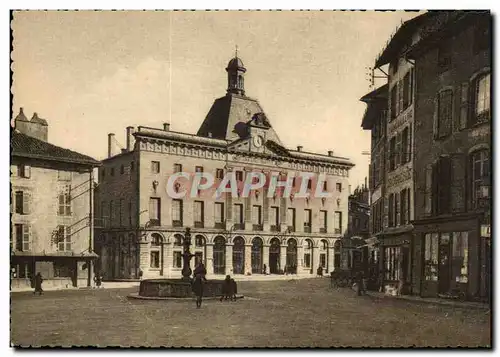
(235, 75)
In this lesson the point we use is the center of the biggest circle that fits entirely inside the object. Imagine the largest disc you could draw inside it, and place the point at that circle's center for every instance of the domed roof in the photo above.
(235, 63)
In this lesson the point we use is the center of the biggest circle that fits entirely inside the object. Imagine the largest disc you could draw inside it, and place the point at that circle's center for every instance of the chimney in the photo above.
(111, 137)
(166, 126)
(366, 182)
(130, 130)
(299, 148)
(330, 153)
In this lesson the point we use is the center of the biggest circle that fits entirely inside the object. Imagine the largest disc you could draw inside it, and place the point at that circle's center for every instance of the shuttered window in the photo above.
(445, 113)
(457, 189)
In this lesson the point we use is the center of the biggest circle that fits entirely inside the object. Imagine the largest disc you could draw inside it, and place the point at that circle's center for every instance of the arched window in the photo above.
(291, 256)
(219, 257)
(274, 256)
(257, 247)
(155, 251)
(238, 256)
(308, 246)
(199, 250)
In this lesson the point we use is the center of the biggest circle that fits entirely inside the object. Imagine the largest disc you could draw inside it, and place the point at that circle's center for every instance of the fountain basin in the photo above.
(177, 288)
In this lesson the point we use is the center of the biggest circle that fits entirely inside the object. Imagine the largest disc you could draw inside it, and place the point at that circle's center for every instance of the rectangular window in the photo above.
(482, 99)
(480, 168)
(431, 257)
(444, 57)
(338, 186)
(238, 213)
(391, 210)
(64, 239)
(392, 256)
(62, 269)
(177, 168)
(404, 147)
(393, 101)
(121, 210)
(199, 214)
(403, 196)
(307, 260)
(219, 212)
(64, 204)
(274, 218)
(198, 169)
(154, 211)
(406, 90)
(112, 171)
(111, 213)
(443, 185)
(122, 169)
(397, 152)
(323, 221)
(219, 174)
(23, 237)
(400, 97)
(291, 219)
(322, 260)
(64, 175)
(24, 171)
(307, 220)
(155, 167)
(257, 215)
(20, 202)
(154, 259)
(338, 222)
(392, 154)
(445, 113)
(177, 213)
(239, 176)
(309, 183)
(396, 209)
(177, 259)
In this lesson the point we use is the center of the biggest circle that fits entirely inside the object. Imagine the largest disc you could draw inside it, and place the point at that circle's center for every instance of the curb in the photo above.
(465, 305)
(190, 298)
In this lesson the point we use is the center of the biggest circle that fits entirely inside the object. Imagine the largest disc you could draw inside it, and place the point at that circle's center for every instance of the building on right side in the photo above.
(452, 140)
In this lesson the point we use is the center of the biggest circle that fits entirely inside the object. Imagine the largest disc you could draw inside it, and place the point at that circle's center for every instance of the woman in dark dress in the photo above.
(38, 284)
(198, 289)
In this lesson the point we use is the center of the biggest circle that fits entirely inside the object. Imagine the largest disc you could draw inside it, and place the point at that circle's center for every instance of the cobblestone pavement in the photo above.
(285, 313)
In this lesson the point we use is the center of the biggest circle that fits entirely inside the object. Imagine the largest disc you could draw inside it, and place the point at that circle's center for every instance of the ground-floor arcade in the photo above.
(159, 254)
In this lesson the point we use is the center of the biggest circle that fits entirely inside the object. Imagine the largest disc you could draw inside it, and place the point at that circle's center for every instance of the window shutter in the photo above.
(398, 158)
(428, 189)
(397, 208)
(408, 205)
(410, 144)
(27, 171)
(436, 117)
(457, 187)
(26, 203)
(26, 237)
(444, 188)
(464, 106)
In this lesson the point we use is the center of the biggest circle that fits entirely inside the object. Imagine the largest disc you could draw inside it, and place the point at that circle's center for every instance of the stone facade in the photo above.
(148, 237)
(51, 221)
(452, 159)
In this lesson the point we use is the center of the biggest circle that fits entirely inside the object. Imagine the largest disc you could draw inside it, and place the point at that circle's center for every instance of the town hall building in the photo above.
(140, 227)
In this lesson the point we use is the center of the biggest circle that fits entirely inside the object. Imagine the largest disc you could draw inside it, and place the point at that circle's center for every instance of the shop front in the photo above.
(396, 263)
(450, 257)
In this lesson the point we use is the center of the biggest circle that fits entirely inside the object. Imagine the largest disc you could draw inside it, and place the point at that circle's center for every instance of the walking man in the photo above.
(38, 284)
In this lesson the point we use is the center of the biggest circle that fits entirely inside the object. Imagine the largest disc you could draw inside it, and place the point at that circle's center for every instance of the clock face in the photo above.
(258, 141)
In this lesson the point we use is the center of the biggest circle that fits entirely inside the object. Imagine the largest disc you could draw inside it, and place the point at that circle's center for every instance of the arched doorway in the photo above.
(291, 256)
(200, 255)
(156, 252)
(238, 256)
(274, 256)
(219, 255)
(323, 255)
(257, 255)
(337, 250)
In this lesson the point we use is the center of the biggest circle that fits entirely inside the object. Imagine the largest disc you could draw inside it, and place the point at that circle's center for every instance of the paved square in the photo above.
(305, 313)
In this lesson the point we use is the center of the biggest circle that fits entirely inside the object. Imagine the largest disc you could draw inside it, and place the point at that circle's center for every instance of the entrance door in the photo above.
(444, 264)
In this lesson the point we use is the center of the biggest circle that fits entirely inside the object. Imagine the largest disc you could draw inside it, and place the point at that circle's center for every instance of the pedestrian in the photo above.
(97, 280)
(38, 284)
(140, 274)
(319, 272)
(229, 289)
(264, 270)
(200, 270)
(197, 288)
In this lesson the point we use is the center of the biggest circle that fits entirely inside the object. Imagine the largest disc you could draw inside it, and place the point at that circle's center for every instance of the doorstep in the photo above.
(436, 301)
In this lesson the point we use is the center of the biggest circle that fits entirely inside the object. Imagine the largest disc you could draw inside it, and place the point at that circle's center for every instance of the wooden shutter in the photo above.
(26, 237)
(428, 189)
(435, 118)
(26, 202)
(398, 156)
(464, 106)
(457, 187)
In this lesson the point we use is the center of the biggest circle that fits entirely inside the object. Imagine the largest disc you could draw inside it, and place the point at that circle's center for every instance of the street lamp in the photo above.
(186, 255)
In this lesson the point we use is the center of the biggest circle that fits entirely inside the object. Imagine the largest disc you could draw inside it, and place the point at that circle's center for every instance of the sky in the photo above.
(90, 73)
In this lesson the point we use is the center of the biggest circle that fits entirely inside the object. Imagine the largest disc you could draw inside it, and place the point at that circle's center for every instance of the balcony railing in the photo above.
(177, 223)
(337, 230)
(199, 224)
(291, 228)
(322, 230)
(307, 229)
(275, 228)
(258, 227)
(220, 225)
(239, 226)
(154, 222)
